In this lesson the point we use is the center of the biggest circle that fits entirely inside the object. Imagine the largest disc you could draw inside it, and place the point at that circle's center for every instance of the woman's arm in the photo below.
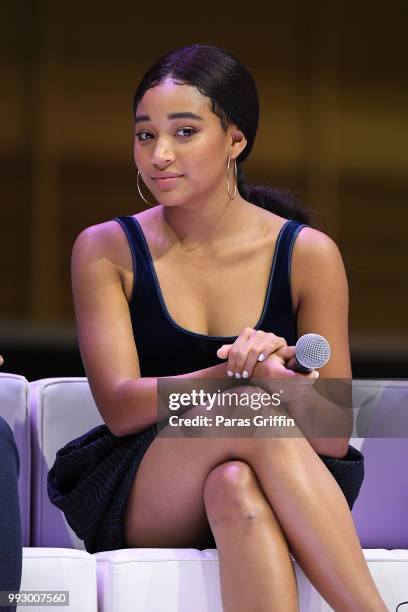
(319, 275)
(126, 401)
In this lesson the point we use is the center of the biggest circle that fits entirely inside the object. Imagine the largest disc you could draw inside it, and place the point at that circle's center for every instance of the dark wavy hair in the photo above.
(231, 88)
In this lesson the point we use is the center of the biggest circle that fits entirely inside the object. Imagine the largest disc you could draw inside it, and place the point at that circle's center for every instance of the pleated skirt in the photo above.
(91, 478)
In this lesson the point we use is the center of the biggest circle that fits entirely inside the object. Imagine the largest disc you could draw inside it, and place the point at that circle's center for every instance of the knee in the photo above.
(231, 491)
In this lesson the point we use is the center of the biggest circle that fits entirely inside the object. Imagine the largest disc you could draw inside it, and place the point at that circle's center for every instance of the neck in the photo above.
(195, 225)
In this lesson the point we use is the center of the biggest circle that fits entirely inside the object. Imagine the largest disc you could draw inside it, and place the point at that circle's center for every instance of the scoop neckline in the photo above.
(163, 303)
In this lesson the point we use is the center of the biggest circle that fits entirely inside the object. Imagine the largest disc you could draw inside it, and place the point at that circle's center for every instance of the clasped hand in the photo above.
(261, 354)
(267, 357)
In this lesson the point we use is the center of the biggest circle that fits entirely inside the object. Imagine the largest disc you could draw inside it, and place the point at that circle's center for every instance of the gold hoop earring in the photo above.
(236, 179)
(140, 193)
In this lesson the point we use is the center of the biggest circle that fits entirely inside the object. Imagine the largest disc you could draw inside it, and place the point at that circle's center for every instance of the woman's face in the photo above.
(176, 132)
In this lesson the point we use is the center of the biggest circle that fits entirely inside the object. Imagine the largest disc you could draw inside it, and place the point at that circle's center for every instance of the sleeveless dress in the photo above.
(92, 475)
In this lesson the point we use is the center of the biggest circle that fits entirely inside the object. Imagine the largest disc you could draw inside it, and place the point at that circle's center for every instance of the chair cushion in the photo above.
(61, 569)
(155, 579)
(61, 409)
(381, 509)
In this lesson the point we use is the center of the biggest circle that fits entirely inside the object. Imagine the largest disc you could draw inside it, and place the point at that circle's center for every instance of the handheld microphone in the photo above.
(311, 351)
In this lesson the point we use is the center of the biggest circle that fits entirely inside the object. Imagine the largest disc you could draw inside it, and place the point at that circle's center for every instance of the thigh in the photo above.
(165, 507)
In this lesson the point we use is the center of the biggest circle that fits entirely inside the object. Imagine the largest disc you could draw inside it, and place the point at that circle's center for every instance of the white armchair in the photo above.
(154, 579)
(48, 566)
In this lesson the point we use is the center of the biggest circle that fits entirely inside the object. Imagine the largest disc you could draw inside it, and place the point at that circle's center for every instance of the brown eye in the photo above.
(191, 130)
(139, 134)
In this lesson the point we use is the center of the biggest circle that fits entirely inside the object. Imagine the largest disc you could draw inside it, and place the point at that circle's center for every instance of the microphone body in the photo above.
(311, 351)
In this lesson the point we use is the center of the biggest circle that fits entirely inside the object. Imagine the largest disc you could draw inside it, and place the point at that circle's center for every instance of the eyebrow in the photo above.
(140, 118)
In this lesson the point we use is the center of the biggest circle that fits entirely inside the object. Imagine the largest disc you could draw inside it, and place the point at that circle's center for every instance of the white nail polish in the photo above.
(245, 374)
(230, 373)
(237, 375)
(261, 357)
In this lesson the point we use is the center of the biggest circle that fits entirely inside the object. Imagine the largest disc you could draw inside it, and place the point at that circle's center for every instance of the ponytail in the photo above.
(281, 202)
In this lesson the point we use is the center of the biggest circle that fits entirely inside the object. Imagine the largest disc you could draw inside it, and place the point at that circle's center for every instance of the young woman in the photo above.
(209, 277)
(11, 552)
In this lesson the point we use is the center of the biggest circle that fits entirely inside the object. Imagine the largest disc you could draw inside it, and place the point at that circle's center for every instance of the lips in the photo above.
(167, 182)
(167, 175)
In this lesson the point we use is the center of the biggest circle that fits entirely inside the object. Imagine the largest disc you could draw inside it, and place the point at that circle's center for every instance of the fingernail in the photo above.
(261, 357)
(245, 374)
(237, 375)
(230, 373)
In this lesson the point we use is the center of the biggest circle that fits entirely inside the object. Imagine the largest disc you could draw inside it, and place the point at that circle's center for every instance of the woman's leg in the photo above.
(10, 527)
(317, 524)
(304, 497)
(256, 570)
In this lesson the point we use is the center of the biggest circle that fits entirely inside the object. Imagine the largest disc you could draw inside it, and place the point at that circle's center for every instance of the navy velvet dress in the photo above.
(92, 475)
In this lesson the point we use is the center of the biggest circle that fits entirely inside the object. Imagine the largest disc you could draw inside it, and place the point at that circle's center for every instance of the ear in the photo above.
(238, 141)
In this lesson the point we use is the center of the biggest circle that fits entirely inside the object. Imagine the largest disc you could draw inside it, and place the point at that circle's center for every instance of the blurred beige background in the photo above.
(333, 87)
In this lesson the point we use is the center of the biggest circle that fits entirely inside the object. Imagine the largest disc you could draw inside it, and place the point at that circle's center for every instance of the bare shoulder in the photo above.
(316, 260)
(105, 239)
(315, 243)
(104, 242)
(315, 255)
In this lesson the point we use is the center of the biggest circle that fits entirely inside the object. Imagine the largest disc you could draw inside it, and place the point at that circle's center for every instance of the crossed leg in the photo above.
(267, 496)
(256, 570)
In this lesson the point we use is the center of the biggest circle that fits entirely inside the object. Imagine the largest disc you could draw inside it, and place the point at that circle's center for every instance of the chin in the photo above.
(167, 203)
(171, 199)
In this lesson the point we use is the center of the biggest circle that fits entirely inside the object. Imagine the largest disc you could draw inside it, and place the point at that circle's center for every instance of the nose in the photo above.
(162, 154)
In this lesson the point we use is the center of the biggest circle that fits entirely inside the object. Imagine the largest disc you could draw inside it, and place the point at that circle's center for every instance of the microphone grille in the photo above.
(312, 351)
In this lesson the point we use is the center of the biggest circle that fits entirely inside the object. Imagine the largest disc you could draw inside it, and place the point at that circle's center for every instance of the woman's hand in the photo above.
(291, 385)
(279, 364)
(251, 346)
(1, 360)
